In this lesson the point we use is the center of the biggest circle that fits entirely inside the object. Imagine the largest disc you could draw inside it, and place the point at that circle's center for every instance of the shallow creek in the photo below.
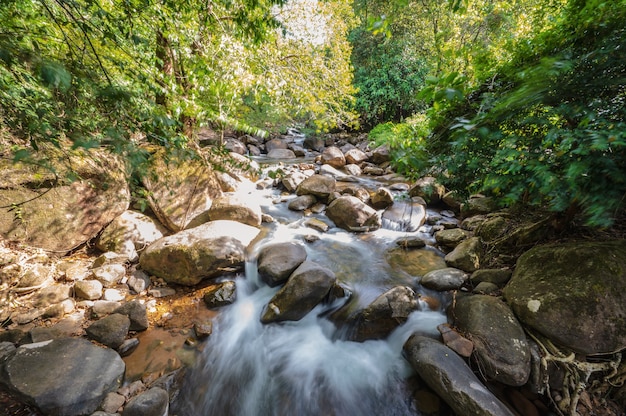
(307, 367)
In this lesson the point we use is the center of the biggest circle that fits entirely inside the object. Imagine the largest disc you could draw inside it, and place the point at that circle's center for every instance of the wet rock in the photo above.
(307, 286)
(352, 214)
(88, 289)
(467, 255)
(444, 279)
(404, 216)
(191, 255)
(410, 242)
(500, 344)
(384, 314)
(415, 262)
(320, 186)
(110, 330)
(66, 215)
(382, 198)
(276, 262)
(129, 233)
(452, 237)
(302, 202)
(180, 191)
(455, 341)
(234, 208)
(137, 313)
(317, 224)
(331, 171)
(450, 377)
(221, 294)
(429, 189)
(46, 375)
(109, 274)
(334, 157)
(286, 154)
(153, 402)
(127, 347)
(574, 294)
(203, 329)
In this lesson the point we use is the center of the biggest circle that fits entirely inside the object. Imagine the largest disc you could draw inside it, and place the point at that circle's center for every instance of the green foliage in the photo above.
(550, 130)
(407, 144)
(387, 79)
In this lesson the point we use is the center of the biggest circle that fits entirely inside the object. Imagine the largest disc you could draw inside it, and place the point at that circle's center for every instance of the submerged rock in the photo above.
(574, 294)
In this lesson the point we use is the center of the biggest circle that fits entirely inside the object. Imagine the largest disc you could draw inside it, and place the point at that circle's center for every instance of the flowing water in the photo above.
(308, 367)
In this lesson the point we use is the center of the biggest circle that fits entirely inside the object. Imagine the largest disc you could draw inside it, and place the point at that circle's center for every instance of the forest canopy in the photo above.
(522, 100)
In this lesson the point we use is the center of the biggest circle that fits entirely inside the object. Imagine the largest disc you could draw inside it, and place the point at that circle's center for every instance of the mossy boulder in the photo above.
(574, 294)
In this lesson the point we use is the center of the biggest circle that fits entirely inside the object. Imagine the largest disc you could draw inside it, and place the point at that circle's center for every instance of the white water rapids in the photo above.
(306, 368)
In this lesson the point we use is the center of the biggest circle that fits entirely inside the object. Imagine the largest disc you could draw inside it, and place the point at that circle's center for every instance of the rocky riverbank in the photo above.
(105, 306)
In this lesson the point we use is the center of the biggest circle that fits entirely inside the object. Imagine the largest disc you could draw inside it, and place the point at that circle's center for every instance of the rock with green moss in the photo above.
(573, 294)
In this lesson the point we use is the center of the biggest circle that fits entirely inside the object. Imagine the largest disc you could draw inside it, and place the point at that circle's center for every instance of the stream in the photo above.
(308, 367)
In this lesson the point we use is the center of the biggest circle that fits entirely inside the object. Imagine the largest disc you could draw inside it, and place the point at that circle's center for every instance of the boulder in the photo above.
(57, 214)
(414, 262)
(153, 402)
(69, 376)
(234, 208)
(276, 262)
(388, 311)
(110, 330)
(441, 280)
(334, 157)
(180, 191)
(292, 180)
(109, 274)
(320, 186)
(382, 198)
(275, 144)
(573, 294)
(137, 313)
(451, 378)
(355, 156)
(452, 237)
(467, 255)
(380, 155)
(478, 205)
(281, 154)
(307, 286)
(429, 189)
(500, 344)
(404, 216)
(302, 202)
(129, 233)
(221, 294)
(352, 214)
(209, 250)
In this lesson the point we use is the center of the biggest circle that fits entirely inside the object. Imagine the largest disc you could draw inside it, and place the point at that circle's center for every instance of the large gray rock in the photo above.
(181, 191)
(64, 377)
(129, 233)
(154, 402)
(404, 216)
(56, 214)
(320, 186)
(467, 255)
(234, 208)
(500, 344)
(187, 257)
(110, 330)
(276, 262)
(574, 294)
(281, 154)
(448, 278)
(450, 377)
(307, 286)
(388, 311)
(352, 214)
